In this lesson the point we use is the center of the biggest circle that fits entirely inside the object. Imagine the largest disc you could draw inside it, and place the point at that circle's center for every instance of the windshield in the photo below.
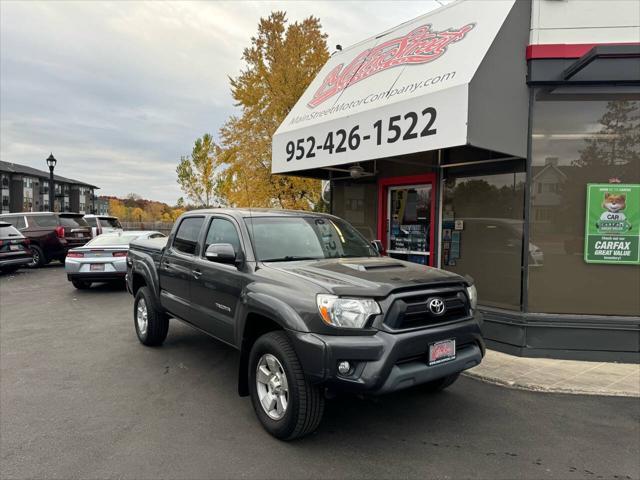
(102, 240)
(306, 238)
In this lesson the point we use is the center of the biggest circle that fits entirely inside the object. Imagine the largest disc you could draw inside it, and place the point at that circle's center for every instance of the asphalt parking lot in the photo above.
(81, 398)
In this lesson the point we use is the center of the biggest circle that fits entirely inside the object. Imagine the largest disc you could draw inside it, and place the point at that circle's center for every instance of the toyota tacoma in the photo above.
(312, 306)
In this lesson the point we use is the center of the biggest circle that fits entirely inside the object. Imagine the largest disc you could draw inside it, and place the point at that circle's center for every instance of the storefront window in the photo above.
(357, 204)
(579, 140)
(482, 221)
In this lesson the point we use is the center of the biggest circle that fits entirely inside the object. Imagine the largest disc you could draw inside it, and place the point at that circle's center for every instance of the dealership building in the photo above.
(499, 140)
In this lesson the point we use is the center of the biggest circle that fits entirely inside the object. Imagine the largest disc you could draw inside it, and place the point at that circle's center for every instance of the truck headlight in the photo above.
(472, 293)
(346, 312)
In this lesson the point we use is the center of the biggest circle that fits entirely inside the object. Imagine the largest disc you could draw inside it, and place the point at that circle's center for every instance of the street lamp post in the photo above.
(51, 162)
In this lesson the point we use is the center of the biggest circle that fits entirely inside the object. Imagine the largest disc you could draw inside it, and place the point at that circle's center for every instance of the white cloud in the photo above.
(120, 90)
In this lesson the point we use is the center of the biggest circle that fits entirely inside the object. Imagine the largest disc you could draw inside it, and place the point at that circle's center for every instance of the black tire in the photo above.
(441, 383)
(305, 404)
(157, 323)
(39, 260)
(81, 284)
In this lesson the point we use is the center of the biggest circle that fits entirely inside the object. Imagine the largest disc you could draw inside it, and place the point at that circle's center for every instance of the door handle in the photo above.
(196, 273)
(167, 265)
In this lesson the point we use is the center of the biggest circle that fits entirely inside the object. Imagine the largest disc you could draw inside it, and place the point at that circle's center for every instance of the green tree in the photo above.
(281, 62)
(197, 173)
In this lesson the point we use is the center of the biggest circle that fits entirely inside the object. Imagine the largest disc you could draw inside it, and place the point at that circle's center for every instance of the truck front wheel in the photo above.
(151, 325)
(287, 404)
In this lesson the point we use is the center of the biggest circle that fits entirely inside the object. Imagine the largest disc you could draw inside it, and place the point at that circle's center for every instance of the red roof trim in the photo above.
(565, 50)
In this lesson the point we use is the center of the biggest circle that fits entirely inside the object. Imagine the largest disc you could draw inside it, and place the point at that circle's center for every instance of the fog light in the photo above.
(344, 367)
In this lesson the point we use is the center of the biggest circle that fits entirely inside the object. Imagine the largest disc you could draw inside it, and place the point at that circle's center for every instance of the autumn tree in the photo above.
(136, 209)
(197, 173)
(117, 208)
(281, 62)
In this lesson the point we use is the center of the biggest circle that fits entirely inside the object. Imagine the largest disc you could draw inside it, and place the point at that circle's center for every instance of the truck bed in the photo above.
(151, 245)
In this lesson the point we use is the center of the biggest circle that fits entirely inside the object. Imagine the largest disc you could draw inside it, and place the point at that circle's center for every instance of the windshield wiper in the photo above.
(290, 258)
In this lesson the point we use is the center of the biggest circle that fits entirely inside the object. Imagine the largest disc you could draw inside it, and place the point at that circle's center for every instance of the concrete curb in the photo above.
(531, 387)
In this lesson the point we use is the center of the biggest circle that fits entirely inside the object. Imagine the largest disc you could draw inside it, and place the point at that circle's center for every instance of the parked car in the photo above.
(309, 303)
(50, 234)
(103, 224)
(102, 259)
(14, 248)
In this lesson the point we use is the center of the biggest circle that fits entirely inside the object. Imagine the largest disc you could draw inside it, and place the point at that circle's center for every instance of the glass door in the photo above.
(407, 218)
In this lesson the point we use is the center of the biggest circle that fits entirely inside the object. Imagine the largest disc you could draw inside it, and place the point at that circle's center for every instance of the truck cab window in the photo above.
(222, 231)
(186, 240)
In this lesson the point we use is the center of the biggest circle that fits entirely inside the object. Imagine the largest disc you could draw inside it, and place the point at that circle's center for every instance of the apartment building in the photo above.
(26, 189)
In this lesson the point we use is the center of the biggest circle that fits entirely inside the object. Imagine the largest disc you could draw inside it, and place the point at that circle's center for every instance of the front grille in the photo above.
(412, 311)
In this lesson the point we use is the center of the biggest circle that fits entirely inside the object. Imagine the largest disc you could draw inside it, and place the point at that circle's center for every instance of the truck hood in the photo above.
(372, 277)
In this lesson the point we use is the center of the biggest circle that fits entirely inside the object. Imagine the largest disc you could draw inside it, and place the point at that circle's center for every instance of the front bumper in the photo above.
(385, 362)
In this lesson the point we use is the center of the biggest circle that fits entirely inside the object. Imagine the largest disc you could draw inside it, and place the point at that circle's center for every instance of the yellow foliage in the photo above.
(138, 215)
(280, 63)
(117, 209)
(144, 211)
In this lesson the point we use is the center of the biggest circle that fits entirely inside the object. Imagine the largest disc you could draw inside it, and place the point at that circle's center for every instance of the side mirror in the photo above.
(377, 246)
(221, 253)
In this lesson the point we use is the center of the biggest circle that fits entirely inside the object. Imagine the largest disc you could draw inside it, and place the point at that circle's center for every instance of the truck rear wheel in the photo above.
(150, 324)
(287, 404)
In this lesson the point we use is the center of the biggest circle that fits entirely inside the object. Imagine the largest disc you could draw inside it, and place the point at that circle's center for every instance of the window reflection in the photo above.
(575, 142)
(482, 234)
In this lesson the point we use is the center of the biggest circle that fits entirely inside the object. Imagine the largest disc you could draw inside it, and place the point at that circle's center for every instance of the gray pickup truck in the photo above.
(311, 305)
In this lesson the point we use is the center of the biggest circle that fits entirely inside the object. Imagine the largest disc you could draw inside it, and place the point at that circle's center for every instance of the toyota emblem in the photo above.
(436, 306)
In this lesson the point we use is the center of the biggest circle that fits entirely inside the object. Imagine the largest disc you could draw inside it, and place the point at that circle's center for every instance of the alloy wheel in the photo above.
(272, 386)
(36, 259)
(142, 317)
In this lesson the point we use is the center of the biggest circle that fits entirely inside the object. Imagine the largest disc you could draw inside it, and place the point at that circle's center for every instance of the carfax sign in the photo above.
(612, 231)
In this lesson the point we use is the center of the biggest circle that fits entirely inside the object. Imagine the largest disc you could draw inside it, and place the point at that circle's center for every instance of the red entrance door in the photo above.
(406, 213)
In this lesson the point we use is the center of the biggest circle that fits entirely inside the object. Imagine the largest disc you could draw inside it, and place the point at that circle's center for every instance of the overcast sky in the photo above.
(118, 91)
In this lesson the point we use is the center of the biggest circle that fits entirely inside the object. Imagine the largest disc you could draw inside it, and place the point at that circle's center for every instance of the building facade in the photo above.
(26, 189)
(499, 140)
(102, 206)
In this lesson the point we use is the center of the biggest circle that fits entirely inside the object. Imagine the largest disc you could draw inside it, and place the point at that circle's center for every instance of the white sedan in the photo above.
(103, 259)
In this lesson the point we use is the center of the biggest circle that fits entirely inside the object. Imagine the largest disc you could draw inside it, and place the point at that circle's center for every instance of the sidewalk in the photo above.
(564, 376)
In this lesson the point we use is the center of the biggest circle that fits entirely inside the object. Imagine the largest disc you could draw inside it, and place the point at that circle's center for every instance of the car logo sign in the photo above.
(436, 306)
